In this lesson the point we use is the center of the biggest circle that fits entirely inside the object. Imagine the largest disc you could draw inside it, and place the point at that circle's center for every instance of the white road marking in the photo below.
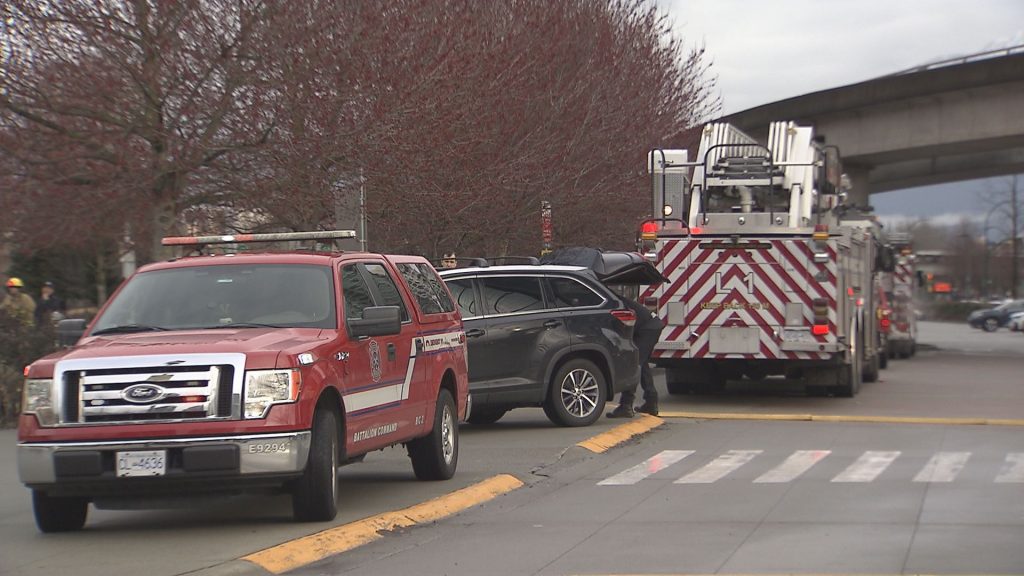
(798, 462)
(943, 467)
(1013, 468)
(652, 465)
(867, 467)
(719, 467)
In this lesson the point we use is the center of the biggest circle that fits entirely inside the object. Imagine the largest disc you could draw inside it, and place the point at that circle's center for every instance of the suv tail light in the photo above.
(626, 316)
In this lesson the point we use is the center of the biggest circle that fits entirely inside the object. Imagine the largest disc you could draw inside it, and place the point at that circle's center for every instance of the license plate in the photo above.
(797, 336)
(142, 463)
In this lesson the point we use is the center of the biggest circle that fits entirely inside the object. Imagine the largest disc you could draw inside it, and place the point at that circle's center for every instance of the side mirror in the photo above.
(376, 321)
(69, 331)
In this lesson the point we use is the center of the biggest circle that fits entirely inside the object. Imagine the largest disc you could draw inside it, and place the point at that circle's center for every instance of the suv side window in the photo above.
(355, 292)
(463, 292)
(426, 288)
(571, 293)
(386, 288)
(511, 294)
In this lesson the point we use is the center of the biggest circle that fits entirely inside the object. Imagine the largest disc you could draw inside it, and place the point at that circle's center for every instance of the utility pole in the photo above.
(1014, 240)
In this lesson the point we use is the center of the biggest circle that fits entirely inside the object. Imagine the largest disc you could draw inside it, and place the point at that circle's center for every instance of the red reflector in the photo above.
(860, 301)
(819, 329)
(821, 227)
(627, 317)
(25, 371)
(696, 230)
(649, 228)
(886, 323)
(849, 291)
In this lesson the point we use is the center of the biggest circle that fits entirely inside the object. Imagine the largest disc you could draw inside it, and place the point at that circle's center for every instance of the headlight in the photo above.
(264, 388)
(37, 398)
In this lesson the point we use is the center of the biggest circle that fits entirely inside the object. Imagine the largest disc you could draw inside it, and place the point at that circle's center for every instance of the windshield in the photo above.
(243, 295)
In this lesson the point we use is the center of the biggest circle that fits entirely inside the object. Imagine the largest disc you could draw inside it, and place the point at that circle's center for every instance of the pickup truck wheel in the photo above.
(56, 514)
(577, 394)
(436, 455)
(485, 416)
(315, 494)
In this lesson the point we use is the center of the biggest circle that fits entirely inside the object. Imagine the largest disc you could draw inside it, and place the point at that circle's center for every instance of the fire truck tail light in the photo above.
(649, 230)
(696, 230)
(885, 323)
(627, 317)
(819, 329)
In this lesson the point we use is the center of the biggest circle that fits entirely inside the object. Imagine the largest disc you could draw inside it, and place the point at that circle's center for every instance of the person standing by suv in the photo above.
(645, 335)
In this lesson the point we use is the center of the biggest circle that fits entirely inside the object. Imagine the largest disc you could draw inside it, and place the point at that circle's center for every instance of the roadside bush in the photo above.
(20, 344)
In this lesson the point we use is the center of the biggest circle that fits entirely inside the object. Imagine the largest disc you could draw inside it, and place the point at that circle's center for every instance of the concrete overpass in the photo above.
(946, 122)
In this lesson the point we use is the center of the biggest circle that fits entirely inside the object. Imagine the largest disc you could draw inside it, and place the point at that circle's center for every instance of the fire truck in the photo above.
(771, 272)
(903, 334)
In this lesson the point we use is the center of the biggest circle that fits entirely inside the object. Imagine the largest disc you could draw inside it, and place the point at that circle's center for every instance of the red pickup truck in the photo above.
(210, 375)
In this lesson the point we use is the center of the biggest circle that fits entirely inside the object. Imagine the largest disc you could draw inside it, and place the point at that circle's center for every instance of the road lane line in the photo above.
(793, 467)
(943, 467)
(621, 433)
(719, 467)
(867, 467)
(308, 549)
(1013, 468)
(648, 467)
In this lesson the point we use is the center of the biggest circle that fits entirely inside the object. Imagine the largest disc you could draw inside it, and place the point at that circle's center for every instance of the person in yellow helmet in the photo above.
(18, 304)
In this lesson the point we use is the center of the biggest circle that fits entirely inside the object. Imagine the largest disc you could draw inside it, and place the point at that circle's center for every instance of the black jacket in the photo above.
(645, 318)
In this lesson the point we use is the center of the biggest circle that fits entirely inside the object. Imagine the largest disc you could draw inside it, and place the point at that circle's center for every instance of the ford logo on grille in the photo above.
(143, 393)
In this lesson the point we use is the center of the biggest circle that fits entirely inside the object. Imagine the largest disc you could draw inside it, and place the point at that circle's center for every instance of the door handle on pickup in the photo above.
(552, 324)
(474, 333)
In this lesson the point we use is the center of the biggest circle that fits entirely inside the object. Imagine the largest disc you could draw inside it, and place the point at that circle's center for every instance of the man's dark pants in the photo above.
(645, 341)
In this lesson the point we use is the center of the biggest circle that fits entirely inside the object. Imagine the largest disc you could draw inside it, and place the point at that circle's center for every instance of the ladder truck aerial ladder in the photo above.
(766, 278)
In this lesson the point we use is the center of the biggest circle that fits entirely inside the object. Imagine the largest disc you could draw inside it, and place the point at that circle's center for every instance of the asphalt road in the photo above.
(564, 521)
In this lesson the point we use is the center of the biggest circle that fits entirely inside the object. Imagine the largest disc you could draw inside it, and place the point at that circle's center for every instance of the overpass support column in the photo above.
(859, 188)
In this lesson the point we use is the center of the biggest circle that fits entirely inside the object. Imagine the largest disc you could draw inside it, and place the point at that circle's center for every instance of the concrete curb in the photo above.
(302, 551)
(602, 442)
(846, 418)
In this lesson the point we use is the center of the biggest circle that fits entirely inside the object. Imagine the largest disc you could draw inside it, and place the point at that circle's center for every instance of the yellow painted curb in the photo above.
(302, 551)
(620, 434)
(846, 418)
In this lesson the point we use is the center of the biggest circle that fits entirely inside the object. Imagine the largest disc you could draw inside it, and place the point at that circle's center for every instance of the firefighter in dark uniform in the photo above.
(645, 335)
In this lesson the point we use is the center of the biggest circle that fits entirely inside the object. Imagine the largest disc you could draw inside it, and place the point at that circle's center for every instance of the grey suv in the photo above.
(542, 335)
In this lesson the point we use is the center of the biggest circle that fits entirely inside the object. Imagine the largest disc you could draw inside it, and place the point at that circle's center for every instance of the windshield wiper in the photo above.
(240, 325)
(129, 328)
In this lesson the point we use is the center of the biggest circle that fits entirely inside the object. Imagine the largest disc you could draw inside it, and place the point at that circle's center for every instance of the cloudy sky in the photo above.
(767, 50)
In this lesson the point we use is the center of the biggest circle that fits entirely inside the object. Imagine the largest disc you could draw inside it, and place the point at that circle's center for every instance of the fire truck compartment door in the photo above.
(734, 340)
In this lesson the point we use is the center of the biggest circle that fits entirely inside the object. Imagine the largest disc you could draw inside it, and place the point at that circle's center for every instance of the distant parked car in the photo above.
(1016, 323)
(992, 319)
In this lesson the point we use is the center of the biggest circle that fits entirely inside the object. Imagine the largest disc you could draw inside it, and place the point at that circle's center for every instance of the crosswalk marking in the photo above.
(1013, 468)
(867, 467)
(719, 467)
(652, 465)
(943, 467)
(799, 462)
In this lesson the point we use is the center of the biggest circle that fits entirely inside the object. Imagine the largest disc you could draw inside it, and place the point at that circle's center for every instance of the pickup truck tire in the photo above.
(486, 416)
(436, 455)
(577, 394)
(57, 514)
(315, 494)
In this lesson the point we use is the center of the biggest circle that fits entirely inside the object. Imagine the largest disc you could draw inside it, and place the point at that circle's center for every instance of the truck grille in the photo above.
(148, 394)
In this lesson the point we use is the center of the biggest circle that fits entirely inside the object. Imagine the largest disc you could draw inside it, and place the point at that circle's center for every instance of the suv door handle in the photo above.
(552, 324)
(474, 333)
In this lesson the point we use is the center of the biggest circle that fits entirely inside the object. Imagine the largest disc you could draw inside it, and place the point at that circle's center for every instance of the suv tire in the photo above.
(577, 394)
(436, 455)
